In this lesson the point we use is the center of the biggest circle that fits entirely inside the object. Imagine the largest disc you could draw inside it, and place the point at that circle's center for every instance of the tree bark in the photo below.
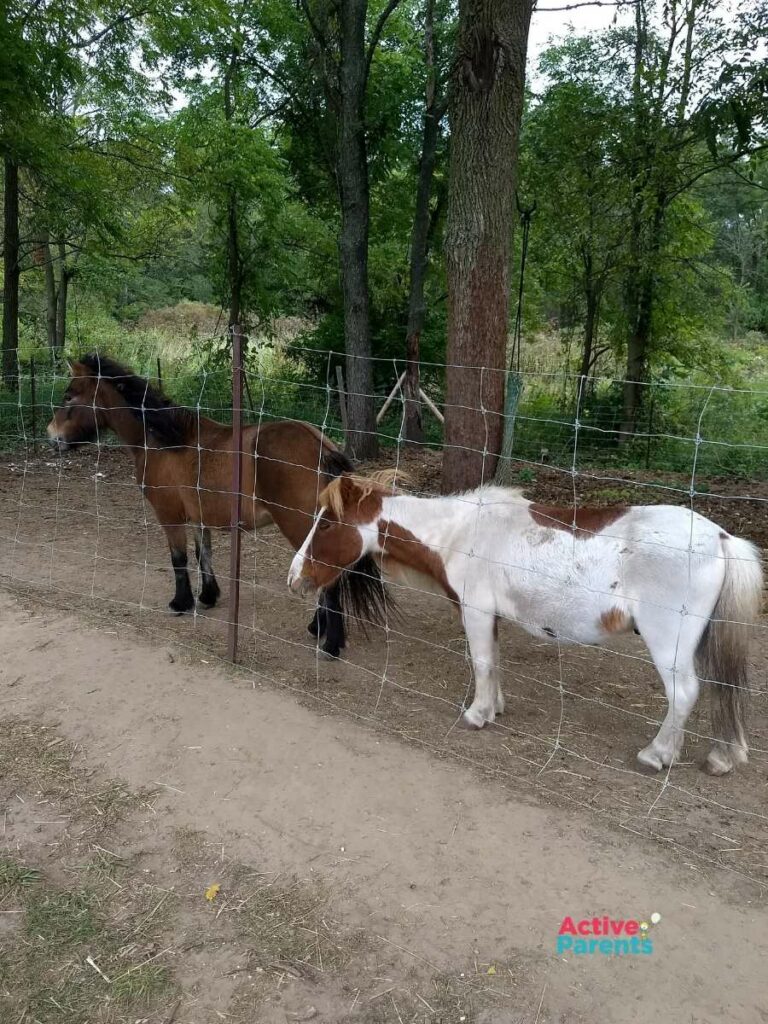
(486, 107)
(51, 292)
(11, 274)
(420, 237)
(362, 442)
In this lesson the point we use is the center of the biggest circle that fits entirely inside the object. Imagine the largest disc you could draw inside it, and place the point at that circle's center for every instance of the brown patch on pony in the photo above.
(404, 547)
(616, 620)
(582, 522)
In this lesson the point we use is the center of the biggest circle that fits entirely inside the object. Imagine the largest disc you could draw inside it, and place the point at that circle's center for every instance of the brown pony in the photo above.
(183, 465)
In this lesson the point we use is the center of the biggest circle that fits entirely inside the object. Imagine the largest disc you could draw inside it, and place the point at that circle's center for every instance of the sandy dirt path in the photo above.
(418, 854)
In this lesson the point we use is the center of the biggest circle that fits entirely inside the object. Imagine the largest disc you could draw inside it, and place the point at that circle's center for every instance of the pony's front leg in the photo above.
(335, 635)
(209, 592)
(480, 628)
(183, 599)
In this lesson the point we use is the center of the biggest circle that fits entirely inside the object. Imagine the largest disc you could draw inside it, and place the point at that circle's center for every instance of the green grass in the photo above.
(47, 971)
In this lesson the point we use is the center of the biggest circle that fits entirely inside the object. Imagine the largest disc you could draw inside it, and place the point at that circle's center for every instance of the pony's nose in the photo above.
(57, 443)
(301, 585)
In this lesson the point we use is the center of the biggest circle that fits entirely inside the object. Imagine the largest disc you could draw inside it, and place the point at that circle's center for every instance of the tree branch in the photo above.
(376, 34)
(316, 31)
(122, 19)
(587, 3)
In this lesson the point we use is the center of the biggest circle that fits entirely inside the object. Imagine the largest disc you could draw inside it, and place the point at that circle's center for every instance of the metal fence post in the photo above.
(237, 456)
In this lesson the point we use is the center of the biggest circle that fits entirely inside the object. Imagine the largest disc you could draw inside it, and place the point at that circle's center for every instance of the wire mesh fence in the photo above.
(77, 532)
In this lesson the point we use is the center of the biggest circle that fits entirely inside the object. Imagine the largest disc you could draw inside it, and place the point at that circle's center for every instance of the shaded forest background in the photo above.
(170, 170)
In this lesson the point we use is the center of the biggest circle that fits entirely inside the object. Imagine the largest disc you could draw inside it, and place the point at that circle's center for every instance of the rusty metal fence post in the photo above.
(237, 464)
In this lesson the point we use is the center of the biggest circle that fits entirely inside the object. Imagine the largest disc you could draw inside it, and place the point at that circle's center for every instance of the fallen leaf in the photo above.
(491, 970)
(212, 892)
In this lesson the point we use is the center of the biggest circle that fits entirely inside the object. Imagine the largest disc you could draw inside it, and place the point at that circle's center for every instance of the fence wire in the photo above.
(77, 533)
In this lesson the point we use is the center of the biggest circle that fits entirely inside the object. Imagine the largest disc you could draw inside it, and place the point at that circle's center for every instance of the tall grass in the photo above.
(685, 424)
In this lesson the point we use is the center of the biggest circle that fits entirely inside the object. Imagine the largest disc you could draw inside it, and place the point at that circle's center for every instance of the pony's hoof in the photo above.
(472, 719)
(208, 598)
(180, 608)
(648, 758)
(324, 655)
(717, 763)
(722, 760)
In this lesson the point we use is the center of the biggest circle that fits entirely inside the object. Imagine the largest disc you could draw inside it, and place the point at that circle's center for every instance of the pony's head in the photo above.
(97, 387)
(345, 529)
(82, 413)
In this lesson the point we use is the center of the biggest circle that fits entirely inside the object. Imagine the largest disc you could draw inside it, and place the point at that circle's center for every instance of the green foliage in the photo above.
(142, 133)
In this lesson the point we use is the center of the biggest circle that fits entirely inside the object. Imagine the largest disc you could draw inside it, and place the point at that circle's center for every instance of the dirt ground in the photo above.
(445, 854)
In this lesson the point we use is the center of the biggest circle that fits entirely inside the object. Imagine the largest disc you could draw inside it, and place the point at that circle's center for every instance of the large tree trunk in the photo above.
(11, 274)
(362, 442)
(51, 292)
(420, 237)
(486, 107)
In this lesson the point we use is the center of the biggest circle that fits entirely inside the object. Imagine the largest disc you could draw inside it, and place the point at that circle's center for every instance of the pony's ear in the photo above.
(70, 368)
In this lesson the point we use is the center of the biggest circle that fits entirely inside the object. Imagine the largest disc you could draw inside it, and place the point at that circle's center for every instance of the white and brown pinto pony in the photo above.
(568, 575)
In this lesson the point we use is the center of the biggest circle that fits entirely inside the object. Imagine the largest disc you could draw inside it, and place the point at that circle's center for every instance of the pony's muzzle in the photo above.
(301, 585)
(57, 443)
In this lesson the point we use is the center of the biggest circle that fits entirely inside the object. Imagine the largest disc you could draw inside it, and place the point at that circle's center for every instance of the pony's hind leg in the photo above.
(499, 691)
(335, 636)
(673, 649)
(183, 599)
(209, 592)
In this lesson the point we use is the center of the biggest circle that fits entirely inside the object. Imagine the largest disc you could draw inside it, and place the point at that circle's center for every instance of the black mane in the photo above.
(167, 423)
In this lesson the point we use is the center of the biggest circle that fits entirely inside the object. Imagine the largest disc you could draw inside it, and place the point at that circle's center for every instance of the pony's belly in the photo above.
(565, 619)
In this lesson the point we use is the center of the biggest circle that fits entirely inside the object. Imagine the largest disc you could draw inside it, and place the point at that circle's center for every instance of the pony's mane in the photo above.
(383, 481)
(167, 423)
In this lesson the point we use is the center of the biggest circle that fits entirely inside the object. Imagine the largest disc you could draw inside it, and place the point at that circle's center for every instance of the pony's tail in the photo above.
(361, 587)
(721, 656)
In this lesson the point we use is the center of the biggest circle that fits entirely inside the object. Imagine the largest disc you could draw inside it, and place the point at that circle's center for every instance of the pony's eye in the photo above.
(323, 525)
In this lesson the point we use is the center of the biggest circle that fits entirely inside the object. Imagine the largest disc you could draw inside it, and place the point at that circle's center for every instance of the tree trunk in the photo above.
(234, 267)
(233, 263)
(11, 274)
(642, 295)
(420, 238)
(637, 352)
(66, 275)
(51, 292)
(486, 107)
(590, 331)
(362, 442)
